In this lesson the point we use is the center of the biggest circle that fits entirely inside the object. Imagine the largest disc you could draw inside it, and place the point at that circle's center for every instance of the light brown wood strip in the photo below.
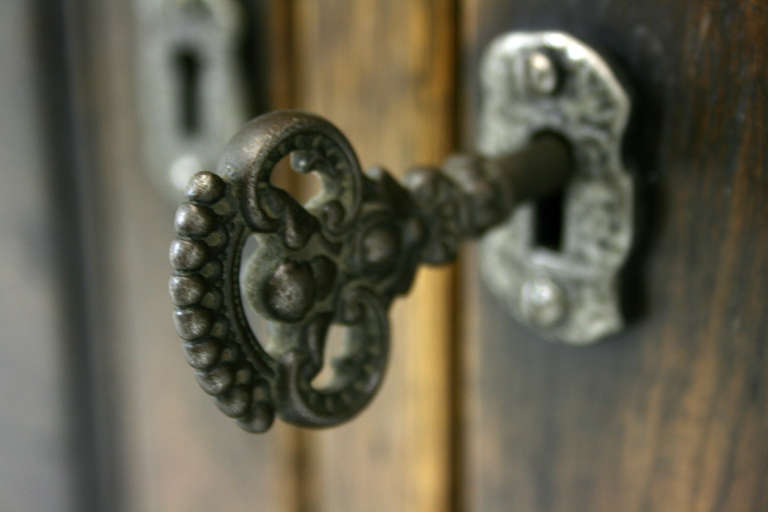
(384, 73)
(293, 487)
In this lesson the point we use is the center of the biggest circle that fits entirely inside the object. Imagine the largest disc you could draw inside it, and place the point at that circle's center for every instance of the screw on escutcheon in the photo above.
(542, 73)
(543, 302)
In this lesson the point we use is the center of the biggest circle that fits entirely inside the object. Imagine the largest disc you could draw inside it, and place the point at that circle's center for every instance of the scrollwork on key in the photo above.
(341, 259)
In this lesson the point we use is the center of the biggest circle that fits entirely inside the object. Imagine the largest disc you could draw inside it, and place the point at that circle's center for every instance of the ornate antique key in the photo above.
(553, 119)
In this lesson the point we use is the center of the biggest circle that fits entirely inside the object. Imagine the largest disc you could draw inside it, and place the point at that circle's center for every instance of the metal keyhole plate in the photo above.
(190, 91)
(549, 81)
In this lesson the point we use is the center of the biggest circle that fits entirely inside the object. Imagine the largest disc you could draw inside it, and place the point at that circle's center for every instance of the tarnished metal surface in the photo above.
(547, 81)
(190, 92)
(339, 259)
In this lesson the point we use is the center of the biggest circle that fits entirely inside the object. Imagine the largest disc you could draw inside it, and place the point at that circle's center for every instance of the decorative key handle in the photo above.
(341, 259)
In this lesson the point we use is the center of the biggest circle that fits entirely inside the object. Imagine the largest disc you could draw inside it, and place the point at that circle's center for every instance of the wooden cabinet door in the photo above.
(476, 413)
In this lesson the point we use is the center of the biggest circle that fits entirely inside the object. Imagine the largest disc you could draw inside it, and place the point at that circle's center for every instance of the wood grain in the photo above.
(384, 73)
(179, 452)
(672, 414)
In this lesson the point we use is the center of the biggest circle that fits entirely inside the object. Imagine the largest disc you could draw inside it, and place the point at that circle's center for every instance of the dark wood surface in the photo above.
(672, 414)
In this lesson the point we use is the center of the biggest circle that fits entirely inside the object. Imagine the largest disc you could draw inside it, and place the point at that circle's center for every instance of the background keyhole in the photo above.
(188, 66)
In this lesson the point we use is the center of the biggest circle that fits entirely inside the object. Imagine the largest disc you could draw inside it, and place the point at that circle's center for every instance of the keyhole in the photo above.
(188, 66)
(548, 221)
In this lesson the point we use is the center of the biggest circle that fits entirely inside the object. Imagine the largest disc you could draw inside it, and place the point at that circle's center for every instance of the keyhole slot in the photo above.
(188, 68)
(548, 221)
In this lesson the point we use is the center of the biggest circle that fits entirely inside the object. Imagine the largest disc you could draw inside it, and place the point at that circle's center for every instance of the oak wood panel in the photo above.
(179, 452)
(672, 414)
(384, 73)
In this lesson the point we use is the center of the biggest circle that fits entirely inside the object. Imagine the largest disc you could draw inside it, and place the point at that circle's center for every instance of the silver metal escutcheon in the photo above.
(191, 95)
(549, 81)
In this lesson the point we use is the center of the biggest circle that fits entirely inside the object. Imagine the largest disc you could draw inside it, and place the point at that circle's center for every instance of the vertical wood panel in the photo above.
(672, 414)
(180, 452)
(384, 73)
